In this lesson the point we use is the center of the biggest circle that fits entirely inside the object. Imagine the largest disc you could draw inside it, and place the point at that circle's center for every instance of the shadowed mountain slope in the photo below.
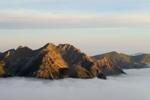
(80, 65)
(143, 58)
(113, 62)
(50, 62)
(43, 63)
(65, 60)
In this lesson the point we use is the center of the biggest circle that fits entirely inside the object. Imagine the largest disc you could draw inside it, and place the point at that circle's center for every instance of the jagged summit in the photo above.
(46, 63)
(68, 47)
(65, 60)
(48, 46)
(78, 62)
(23, 48)
(20, 47)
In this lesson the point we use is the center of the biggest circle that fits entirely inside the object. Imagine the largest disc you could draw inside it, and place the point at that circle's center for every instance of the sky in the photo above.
(94, 26)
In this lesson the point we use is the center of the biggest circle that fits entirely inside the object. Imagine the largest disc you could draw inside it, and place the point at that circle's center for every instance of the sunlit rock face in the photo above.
(50, 62)
(45, 62)
(2, 70)
(80, 65)
(112, 63)
(108, 67)
(62, 61)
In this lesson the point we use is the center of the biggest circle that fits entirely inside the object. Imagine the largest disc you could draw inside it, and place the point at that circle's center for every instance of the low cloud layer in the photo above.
(133, 86)
(33, 19)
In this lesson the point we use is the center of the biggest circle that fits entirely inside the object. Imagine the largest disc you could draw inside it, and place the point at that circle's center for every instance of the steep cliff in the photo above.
(80, 65)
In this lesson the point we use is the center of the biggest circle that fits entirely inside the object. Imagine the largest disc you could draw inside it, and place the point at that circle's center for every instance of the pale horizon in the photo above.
(94, 26)
(91, 41)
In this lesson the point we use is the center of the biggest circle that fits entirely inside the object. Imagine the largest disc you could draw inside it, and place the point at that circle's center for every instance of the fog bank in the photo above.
(133, 86)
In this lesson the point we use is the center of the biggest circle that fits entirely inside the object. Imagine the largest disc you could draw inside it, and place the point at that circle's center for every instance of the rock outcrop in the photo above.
(113, 62)
(108, 63)
(46, 63)
(2, 70)
(64, 60)
(50, 62)
(1, 54)
(80, 65)
(16, 59)
(143, 58)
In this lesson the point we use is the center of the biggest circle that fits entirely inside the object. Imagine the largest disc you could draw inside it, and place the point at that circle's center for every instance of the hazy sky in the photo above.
(95, 26)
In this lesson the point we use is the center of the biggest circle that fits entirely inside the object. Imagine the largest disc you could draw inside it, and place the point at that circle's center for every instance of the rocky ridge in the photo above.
(64, 60)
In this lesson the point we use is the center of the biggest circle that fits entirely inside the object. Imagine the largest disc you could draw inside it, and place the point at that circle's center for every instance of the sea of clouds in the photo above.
(133, 86)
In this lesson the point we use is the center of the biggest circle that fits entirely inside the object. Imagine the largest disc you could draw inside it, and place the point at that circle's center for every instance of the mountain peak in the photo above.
(20, 47)
(114, 52)
(65, 60)
(48, 46)
(68, 47)
(138, 54)
(9, 52)
(23, 48)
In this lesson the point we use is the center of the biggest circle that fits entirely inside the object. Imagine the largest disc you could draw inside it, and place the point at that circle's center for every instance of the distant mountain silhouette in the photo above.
(108, 63)
(113, 62)
(65, 60)
(143, 58)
